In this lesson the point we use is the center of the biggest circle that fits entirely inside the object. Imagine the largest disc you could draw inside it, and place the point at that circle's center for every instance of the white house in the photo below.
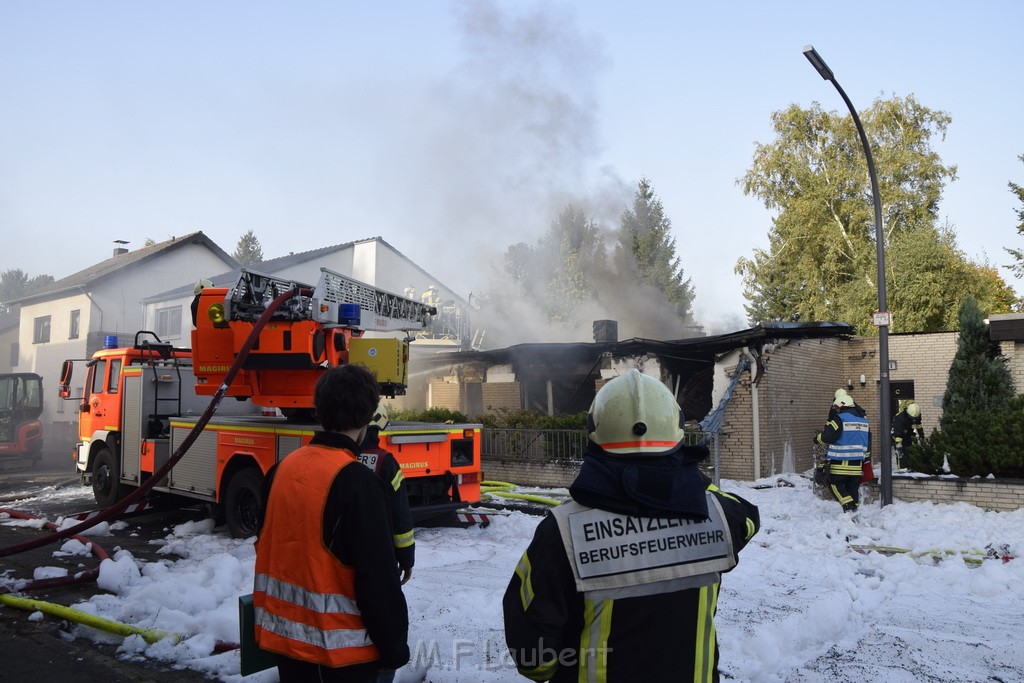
(372, 261)
(70, 317)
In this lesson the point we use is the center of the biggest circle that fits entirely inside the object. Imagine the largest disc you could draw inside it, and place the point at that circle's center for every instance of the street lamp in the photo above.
(882, 317)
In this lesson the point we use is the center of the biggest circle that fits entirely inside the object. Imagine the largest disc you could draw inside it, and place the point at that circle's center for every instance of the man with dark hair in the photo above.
(327, 595)
(621, 583)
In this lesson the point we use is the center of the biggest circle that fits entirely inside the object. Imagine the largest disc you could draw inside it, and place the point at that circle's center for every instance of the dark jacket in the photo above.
(387, 468)
(658, 636)
(357, 530)
(904, 427)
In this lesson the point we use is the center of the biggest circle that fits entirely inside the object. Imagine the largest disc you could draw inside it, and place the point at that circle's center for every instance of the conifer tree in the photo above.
(647, 250)
(979, 379)
(248, 251)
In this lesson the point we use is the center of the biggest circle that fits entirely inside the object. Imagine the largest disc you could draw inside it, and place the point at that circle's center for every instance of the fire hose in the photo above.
(142, 490)
(503, 489)
(149, 635)
(80, 577)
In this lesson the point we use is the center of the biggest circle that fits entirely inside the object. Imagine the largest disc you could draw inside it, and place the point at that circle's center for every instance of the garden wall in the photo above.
(1001, 495)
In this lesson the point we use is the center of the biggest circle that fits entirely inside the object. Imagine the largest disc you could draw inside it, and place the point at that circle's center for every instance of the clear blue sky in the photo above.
(453, 129)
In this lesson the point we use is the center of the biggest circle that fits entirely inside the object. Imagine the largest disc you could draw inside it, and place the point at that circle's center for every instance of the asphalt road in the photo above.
(41, 651)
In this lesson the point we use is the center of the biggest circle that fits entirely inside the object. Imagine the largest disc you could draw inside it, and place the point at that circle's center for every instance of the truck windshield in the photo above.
(19, 392)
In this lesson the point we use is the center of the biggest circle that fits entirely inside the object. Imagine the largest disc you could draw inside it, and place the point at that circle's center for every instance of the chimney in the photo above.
(120, 248)
(606, 331)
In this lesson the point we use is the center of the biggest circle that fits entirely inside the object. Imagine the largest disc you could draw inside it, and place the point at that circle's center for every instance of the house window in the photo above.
(41, 330)
(76, 315)
(14, 355)
(168, 322)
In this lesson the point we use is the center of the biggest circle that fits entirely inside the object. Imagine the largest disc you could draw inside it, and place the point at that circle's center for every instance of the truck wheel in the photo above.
(106, 478)
(244, 502)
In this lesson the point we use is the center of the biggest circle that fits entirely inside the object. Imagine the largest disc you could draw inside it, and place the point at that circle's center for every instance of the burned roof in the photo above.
(695, 349)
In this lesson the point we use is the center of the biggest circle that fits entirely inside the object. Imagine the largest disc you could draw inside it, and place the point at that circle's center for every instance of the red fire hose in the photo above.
(142, 490)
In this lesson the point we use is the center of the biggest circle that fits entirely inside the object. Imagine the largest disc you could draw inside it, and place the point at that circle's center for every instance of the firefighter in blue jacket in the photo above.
(848, 437)
(621, 583)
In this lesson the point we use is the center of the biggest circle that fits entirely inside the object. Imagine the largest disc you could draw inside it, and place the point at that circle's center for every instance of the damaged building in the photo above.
(762, 392)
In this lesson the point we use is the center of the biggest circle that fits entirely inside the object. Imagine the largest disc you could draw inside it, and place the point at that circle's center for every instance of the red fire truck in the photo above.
(142, 401)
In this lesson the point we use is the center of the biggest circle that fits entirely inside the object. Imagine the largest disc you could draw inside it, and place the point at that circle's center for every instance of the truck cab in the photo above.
(21, 404)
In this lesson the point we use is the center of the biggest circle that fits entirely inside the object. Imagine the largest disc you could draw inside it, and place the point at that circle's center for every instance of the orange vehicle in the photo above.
(141, 402)
(21, 403)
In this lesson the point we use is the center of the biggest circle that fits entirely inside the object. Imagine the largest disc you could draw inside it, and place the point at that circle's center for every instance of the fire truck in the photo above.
(142, 402)
(21, 403)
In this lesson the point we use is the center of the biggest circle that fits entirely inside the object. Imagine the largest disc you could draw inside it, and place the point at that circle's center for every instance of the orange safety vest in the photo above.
(304, 597)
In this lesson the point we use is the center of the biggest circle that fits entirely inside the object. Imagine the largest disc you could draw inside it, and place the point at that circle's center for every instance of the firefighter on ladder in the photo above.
(848, 437)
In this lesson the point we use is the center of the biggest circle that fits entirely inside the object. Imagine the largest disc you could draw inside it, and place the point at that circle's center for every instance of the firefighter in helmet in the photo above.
(905, 426)
(385, 466)
(848, 437)
(621, 582)
(197, 289)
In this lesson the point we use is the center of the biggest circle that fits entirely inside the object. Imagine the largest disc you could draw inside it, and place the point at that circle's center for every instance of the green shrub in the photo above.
(429, 415)
(977, 443)
(504, 418)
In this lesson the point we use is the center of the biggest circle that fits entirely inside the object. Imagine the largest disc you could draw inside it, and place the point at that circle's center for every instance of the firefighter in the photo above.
(197, 289)
(327, 594)
(621, 582)
(387, 468)
(848, 437)
(905, 426)
(430, 296)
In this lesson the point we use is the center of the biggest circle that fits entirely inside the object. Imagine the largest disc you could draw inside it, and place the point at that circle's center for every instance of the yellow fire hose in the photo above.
(504, 490)
(149, 635)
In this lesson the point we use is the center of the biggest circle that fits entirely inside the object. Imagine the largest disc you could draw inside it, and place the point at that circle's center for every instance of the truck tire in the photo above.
(106, 478)
(243, 502)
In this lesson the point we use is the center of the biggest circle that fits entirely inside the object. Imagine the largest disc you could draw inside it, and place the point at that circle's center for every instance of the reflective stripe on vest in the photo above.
(616, 556)
(853, 441)
(304, 597)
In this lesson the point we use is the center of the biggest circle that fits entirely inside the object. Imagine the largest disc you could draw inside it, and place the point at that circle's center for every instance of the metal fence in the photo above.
(566, 446)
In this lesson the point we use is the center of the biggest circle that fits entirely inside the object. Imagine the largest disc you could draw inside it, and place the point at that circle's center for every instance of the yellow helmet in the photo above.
(914, 410)
(380, 417)
(842, 399)
(635, 414)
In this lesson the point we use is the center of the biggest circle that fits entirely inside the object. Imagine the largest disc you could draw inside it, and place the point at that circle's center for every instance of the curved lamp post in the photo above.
(882, 317)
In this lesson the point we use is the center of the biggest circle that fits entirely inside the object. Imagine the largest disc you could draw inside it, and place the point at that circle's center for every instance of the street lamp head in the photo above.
(818, 63)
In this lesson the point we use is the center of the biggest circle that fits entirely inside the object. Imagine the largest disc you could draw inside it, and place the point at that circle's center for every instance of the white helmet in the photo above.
(635, 414)
(201, 285)
(842, 399)
(380, 417)
(914, 410)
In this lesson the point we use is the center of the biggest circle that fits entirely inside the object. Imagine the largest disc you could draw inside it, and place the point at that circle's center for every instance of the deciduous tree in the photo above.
(820, 263)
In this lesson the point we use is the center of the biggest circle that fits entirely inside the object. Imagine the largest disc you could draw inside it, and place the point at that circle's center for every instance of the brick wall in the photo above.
(794, 394)
(926, 359)
(497, 395)
(989, 494)
(1014, 352)
(524, 473)
(445, 395)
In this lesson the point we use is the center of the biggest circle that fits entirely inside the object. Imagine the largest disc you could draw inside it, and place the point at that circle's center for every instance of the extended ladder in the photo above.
(337, 300)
